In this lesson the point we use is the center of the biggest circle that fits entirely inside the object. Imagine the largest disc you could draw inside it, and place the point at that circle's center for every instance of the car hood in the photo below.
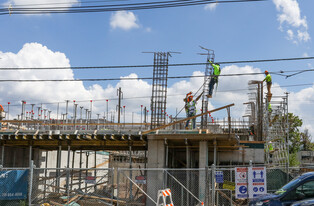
(265, 197)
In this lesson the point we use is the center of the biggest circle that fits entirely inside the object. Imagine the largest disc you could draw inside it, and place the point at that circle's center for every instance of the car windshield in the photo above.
(290, 184)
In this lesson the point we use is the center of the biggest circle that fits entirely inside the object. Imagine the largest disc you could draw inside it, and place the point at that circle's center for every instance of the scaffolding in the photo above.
(268, 120)
(276, 128)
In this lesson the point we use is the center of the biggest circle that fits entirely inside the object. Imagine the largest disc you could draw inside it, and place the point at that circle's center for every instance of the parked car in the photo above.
(307, 202)
(298, 189)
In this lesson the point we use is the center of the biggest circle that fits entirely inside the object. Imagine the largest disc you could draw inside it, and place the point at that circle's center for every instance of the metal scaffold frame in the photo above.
(270, 123)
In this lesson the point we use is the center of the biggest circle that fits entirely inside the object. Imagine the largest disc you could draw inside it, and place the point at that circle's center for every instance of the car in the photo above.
(306, 202)
(298, 189)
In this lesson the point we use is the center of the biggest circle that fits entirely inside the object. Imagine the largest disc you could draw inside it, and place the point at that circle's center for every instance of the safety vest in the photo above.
(269, 108)
(270, 147)
(1, 108)
(268, 78)
(191, 107)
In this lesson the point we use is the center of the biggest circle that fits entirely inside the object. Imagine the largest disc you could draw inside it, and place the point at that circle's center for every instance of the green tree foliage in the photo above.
(294, 133)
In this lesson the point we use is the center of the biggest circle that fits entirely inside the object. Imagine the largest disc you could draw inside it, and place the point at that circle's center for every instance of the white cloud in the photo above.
(290, 34)
(125, 20)
(303, 36)
(290, 16)
(211, 6)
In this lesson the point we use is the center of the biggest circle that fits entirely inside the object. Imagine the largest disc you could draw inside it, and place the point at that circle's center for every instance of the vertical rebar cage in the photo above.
(159, 89)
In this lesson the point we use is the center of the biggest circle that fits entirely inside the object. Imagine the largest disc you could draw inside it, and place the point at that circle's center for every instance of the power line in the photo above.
(126, 78)
(169, 65)
(109, 8)
(63, 3)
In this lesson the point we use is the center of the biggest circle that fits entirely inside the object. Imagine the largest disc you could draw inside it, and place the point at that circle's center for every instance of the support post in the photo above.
(203, 163)
(68, 173)
(2, 156)
(31, 171)
(46, 165)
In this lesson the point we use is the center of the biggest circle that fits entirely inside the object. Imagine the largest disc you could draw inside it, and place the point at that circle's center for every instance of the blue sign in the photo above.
(261, 189)
(13, 184)
(242, 189)
(219, 177)
(255, 189)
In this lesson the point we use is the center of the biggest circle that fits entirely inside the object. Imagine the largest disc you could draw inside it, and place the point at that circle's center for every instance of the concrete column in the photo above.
(203, 163)
(203, 154)
(156, 159)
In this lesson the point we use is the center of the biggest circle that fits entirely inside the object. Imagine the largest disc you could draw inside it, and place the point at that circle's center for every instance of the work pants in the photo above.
(188, 121)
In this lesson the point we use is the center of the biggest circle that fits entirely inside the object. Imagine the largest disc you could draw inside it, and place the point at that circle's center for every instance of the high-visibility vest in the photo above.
(191, 107)
(268, 78)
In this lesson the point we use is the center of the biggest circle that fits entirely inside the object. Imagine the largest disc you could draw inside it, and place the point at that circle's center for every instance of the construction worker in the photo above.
(214, 78)
(270, 110)
(269, 83)
(190, 108)
(270, 150)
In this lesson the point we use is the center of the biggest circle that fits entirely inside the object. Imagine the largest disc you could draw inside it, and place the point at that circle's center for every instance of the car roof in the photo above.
(307, 175)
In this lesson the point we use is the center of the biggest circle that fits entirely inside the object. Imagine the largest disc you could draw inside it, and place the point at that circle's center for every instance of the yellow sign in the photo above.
(228, 185)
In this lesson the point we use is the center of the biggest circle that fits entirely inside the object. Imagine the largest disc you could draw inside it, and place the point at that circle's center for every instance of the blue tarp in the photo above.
(13, 184)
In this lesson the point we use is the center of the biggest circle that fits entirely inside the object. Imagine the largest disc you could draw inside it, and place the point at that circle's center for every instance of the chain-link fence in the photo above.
(140, 186)
(212, 186)
(14, 186)
(69, 186)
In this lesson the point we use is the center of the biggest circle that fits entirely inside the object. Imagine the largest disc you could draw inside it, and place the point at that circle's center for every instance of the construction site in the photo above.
(153, 162)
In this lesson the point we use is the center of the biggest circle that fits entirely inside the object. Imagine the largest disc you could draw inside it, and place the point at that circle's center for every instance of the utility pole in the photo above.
(120, 95)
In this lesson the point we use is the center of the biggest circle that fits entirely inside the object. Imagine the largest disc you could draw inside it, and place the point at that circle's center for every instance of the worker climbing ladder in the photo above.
(208, 71)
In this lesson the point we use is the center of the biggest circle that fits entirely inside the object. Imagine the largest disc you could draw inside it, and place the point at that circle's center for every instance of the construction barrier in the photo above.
(164, 198)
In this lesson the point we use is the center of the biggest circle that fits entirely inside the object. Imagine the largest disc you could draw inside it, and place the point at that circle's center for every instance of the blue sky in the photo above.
(236, 31)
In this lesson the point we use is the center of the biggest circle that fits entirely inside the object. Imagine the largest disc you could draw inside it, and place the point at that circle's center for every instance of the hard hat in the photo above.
(266, 72)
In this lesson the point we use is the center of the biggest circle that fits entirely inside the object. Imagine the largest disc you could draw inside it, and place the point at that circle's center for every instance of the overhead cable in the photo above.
(109, 8)
(150, 65)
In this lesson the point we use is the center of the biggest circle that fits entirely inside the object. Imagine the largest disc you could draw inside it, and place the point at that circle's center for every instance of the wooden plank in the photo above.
(226, 196)
(188, 118)
(55, 203)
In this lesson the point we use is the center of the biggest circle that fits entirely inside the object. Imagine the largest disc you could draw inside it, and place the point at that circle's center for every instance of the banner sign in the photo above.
(13, 184)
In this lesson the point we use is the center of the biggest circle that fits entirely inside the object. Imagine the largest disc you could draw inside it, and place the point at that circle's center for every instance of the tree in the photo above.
(306, 141)
(294, 123)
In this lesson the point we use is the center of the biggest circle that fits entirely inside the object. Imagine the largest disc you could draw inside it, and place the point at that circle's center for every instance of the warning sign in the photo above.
(228, 185)
(241, 183)
(257, 181)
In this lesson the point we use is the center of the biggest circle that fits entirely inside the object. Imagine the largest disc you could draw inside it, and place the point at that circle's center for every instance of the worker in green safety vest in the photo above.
(214, 78)
(269, 108)
(268, 81)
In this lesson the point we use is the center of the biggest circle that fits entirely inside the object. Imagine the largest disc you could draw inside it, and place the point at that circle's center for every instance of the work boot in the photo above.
(187, 128)
(209, 96)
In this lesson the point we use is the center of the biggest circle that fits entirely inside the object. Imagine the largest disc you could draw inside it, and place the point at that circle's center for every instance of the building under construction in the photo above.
(93, 163)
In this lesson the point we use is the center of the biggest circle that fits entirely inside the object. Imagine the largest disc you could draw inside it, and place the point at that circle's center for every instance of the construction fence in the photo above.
(128, 186)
